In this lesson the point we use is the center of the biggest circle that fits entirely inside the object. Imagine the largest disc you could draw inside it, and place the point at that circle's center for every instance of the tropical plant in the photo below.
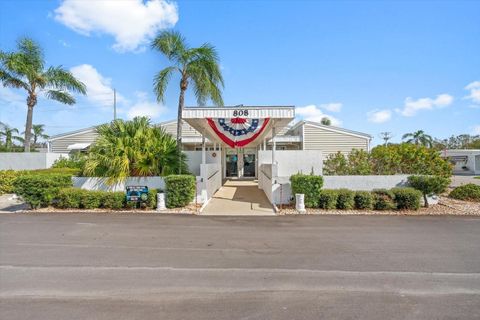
(25, 69)
(38, 131)
(198, 66)
(326, 121)
(133, 149)
(10, 135)
(419, 138)
(429, 185)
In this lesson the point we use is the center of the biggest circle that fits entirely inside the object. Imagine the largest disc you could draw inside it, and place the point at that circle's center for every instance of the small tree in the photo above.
(326, 121)
(429, 185)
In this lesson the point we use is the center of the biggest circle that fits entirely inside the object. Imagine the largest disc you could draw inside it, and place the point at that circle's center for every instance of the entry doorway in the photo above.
(231, 165)
(249, 165)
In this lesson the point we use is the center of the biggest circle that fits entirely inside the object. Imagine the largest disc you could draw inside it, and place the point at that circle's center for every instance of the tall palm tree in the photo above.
(25, 69)
(198, 66)
(132, 149)
(419, 138)
(9, 134)
(38, 131)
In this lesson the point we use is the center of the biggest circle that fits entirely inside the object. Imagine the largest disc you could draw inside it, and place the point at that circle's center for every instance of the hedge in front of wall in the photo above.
(7, 178)
(327, 199)
(468, 192)
(180, 190)
(364, 200)
(40, 190)
(383, 199)
(345, 199)
(309, 185)
(406, 198)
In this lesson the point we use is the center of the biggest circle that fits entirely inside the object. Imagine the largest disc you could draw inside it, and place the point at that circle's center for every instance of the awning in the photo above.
(238, 126)
(78, 146)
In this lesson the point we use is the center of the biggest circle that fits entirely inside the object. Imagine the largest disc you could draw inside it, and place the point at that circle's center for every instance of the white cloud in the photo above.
(332, 107)
(99, 88)
(412, 106)
(12, 98)
(474, 89)
(314, 113)
(131, 22)
(143, 107)
(476, 130)
(379, 116)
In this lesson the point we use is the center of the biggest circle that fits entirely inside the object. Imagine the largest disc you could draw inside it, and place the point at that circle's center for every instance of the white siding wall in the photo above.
(60, 145)
(329, 142)
(187, 130)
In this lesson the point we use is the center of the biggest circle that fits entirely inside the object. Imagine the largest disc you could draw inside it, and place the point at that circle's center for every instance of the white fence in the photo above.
(294, 161)
(28, 160)
(99, 183)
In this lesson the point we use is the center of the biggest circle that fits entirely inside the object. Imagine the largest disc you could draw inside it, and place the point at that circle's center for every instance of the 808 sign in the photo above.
(240, 113)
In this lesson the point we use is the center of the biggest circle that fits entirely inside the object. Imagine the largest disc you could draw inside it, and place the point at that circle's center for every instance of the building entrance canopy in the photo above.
(239, 126)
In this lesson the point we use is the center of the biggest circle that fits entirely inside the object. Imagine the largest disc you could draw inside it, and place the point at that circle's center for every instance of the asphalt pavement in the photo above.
(150, 266)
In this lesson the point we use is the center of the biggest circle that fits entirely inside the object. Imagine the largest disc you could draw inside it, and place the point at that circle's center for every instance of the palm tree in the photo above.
(25, 70)
(326, 121)
(38, 131)
(133, 149)
(9, 134)
(198, 66)
(419, 138)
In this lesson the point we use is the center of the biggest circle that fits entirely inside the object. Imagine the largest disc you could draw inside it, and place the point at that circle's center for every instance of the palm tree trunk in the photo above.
(181, 103)
(31, 101)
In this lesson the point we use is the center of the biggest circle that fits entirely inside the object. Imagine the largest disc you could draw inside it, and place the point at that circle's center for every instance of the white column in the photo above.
(204, 156)
(264, 143)
(274, 144)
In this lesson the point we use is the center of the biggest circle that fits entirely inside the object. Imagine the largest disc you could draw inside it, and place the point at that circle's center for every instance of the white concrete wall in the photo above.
(366, 183)
(99, 183)
(294, 161)
(211, 174)
(194, 159)
(28, 160)
(265, 178)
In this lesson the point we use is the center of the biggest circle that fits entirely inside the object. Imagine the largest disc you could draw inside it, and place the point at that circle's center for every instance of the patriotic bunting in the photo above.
(238, 132)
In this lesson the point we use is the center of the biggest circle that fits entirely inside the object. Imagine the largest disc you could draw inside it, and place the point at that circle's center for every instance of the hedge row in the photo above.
(73, 198)
(180, 190)
(309, 185)
(344, 199)
(469, 192)
(41, 190)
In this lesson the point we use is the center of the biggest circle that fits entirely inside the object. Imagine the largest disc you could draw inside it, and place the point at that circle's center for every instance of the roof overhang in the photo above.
(78, 146)
(279, 117)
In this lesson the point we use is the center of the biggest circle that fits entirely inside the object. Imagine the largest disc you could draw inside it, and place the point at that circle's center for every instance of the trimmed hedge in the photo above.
(364, 200)
(406, 198)
(114, 200)
(69, 198)
(469, 192)
(383, 199)
(345, 199)
(327, 199)
(40, 190)
(7, 177)
(180, 190)
(309, 185)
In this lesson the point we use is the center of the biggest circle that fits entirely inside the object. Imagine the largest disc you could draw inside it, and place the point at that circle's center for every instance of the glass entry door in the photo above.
(249, 165)
(231, 165)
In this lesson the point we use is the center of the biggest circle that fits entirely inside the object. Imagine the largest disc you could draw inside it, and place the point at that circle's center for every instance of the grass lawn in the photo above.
(478, 177)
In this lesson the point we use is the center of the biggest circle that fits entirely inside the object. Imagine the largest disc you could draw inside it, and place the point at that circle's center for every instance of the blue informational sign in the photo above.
(137, 193)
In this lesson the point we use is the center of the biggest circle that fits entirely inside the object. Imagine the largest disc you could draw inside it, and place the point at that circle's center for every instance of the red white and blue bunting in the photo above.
(238, 132)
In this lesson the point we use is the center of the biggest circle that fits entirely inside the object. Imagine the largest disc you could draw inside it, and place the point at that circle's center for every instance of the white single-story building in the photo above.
(465, 161)
(239, 137)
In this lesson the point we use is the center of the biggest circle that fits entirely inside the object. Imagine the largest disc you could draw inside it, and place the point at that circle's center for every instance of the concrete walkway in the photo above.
(239, 197)
(458, 180)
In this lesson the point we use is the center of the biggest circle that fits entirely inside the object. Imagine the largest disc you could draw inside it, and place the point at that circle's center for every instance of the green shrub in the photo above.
(180, 190)
(309, 185)
(469, 192)
(383, 199)
(327, 199)
(74, 161)
(152, 198)
(91, 199)
(54, 171)
(40, 190)
(429, 185)
(69, 198)
(364, 200)
(345, 199)
(7, 177)
(113, 200)
(406, 198)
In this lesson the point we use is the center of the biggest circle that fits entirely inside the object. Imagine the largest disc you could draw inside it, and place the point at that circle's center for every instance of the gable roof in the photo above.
(71, 133)
(332, 128)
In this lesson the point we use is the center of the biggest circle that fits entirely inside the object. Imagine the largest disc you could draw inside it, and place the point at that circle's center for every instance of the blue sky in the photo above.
(370, 66)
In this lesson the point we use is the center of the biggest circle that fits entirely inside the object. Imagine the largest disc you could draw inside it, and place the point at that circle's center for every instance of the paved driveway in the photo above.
(87, 266)
(458, 180)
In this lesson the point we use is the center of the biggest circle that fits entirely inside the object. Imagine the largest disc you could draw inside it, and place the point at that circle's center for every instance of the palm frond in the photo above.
(160, 82)
(60, 96)
(172, 44)
(62, 79)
